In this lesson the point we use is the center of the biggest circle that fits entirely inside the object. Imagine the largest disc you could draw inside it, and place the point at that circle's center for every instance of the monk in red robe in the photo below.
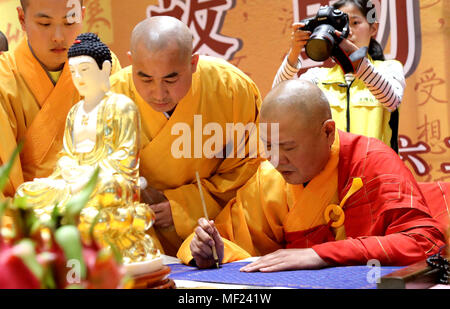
(332, 198)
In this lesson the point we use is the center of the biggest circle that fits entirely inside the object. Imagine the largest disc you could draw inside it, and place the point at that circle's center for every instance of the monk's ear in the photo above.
(130, 57)
(329, 128)
(194, 62)
(21, 16)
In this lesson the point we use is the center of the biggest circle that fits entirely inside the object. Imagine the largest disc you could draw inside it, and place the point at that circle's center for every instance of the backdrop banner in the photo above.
(255, 35)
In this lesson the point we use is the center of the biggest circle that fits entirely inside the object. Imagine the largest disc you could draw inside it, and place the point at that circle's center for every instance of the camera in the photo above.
(323, 38)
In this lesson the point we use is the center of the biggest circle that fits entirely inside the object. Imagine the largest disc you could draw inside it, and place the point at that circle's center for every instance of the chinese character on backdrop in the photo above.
(410, 152)
(205, 19)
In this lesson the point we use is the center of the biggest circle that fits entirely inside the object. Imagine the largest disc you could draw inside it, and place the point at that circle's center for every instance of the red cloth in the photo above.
(308, 238)
(437, 195)
(388, 219)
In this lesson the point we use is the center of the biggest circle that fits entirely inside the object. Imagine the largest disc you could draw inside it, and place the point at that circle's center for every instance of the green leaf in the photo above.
(6, 169)
(77, 203)
(74, 287)
(25, 251)
(20, 202)
(48, 280)
(3, 206)
(115, 252)
(68, 238)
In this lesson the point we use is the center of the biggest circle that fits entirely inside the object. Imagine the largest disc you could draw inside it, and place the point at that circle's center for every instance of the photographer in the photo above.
(367, 101)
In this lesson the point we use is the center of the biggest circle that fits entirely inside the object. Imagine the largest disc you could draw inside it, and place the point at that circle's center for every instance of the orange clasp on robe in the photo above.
(334, 214)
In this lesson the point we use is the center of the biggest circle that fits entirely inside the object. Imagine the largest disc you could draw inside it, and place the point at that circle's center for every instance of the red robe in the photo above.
(387, 219)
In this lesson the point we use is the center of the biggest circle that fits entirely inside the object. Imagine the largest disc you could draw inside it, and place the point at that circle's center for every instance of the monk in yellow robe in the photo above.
(188, 104)
(334, 198)
(36, 89)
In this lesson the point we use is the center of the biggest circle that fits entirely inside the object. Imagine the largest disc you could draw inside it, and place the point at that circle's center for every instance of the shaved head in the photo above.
(306, 129)
(159, 33)
(163, 62)
(297, 99)
(3, 42)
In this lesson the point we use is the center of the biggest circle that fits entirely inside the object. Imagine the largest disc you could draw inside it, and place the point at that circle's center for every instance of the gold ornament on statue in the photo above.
(85, 120)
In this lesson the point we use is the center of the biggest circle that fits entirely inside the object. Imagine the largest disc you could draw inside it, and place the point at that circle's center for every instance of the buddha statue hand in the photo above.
(76, 176)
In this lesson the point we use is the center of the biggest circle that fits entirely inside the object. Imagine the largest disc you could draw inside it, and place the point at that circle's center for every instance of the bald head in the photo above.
(296, 99)
(3, 42)
(306, 130)
(159, 33)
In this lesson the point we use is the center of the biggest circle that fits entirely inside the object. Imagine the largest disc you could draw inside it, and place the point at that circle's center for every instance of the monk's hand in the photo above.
(287, 259)
(206, 236)
(163, 214)
(150, 195)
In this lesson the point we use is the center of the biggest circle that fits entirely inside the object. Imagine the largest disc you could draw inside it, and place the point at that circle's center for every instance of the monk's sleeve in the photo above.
(400, 230)
(251, 223)
(239, 165)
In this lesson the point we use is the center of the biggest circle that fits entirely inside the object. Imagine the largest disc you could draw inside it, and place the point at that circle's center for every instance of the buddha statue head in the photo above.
(90, 64)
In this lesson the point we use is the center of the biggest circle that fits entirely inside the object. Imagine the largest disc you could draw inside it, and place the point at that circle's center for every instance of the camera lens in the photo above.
(321, 43)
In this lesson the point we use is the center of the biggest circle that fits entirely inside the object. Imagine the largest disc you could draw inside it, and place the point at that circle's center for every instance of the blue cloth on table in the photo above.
(349, 277)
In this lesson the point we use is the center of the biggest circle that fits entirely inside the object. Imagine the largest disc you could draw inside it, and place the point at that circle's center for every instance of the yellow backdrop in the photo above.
(254, 35)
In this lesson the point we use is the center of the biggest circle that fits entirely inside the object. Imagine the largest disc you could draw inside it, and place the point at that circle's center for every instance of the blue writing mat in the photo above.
(351, 277)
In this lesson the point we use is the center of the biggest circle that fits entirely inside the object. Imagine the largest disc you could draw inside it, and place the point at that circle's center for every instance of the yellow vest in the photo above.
(367, 116)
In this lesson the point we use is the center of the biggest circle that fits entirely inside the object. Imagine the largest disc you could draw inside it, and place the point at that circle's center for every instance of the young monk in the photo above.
(335, 198)
(36, 89)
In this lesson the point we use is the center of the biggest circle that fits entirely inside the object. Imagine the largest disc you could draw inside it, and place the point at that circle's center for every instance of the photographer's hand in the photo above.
(299, 38)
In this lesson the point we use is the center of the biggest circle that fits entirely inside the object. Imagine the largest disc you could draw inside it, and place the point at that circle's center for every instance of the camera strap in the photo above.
(345, 61)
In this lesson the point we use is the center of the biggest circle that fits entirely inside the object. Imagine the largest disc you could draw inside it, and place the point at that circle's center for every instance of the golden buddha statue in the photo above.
(102, 131)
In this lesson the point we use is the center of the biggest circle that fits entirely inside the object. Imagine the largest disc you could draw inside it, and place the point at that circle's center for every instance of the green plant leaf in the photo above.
(48, 280)
(115, 252)
(20, 202)
(74, 287)
(6, 168)
(68, 238)
(25, 251)
(3, 206)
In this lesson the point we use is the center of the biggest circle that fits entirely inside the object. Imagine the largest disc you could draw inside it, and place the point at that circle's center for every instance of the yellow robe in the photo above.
(33, 110)
(220, 94)
(267, 207)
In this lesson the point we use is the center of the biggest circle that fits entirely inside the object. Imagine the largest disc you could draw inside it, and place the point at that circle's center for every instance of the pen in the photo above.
(216, 259)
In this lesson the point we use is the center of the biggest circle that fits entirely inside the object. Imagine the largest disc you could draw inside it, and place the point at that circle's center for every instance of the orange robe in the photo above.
(385, 215)
(33, 109)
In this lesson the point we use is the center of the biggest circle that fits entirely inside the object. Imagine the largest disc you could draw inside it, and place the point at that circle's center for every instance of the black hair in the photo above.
(89, 44)
(365, 7)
